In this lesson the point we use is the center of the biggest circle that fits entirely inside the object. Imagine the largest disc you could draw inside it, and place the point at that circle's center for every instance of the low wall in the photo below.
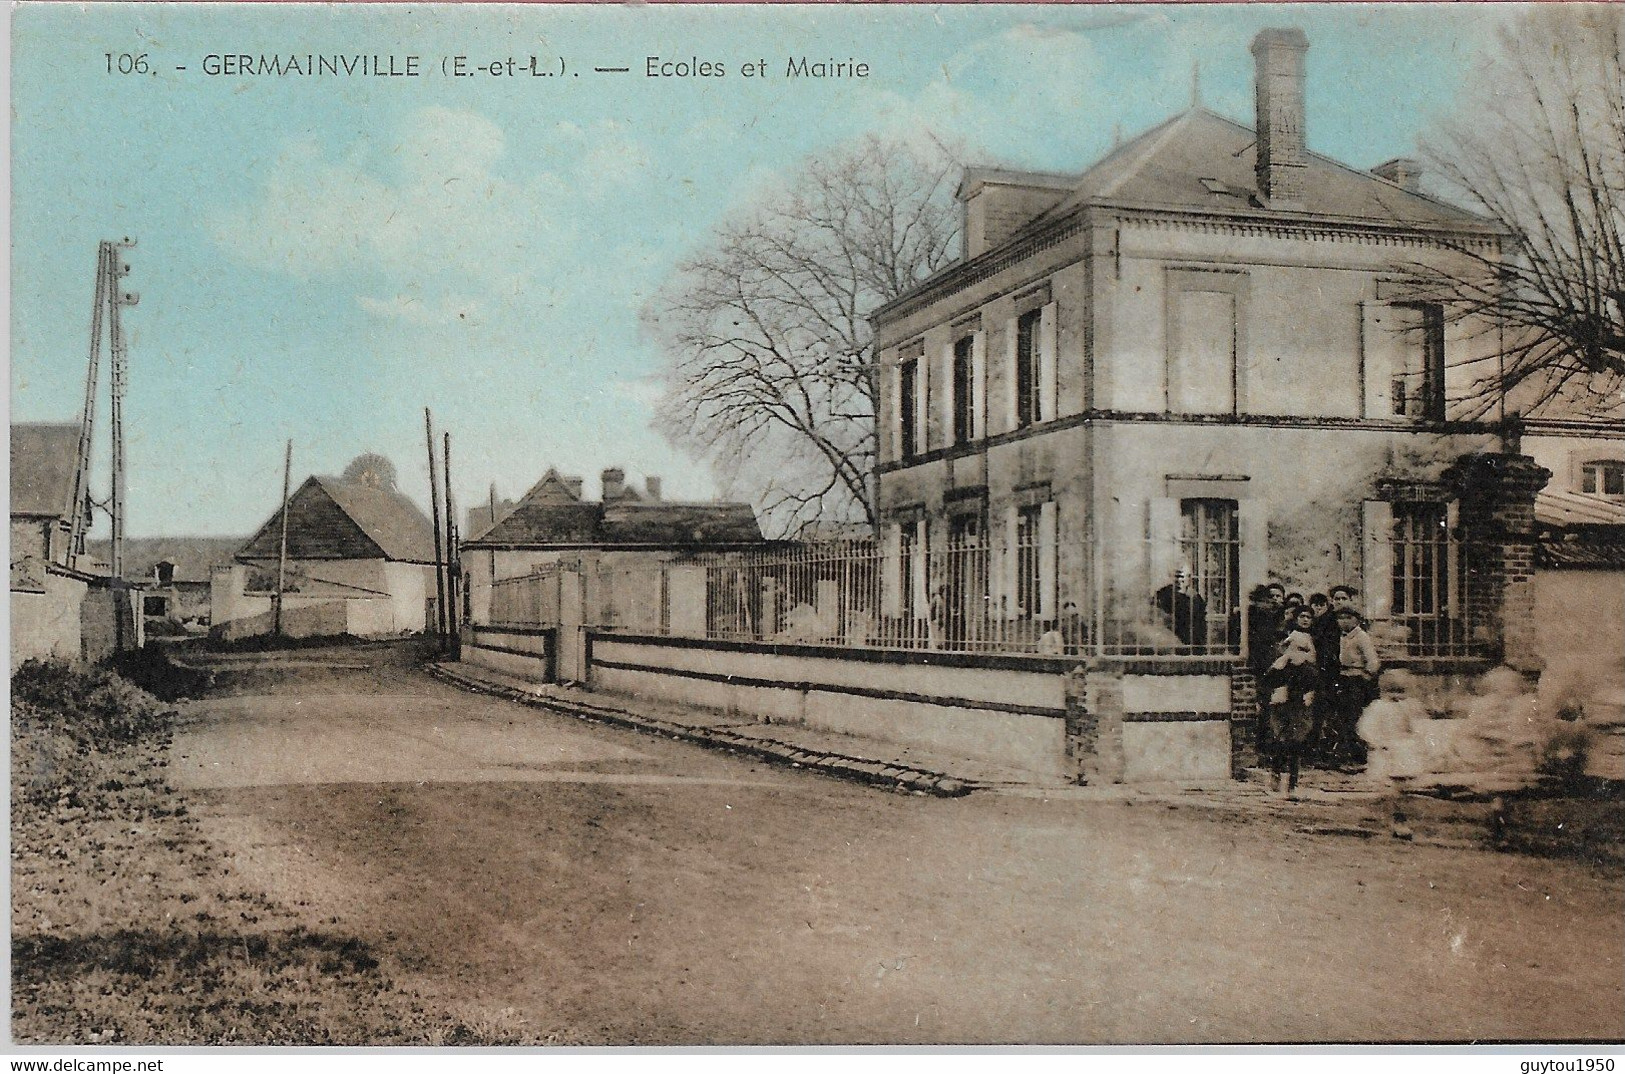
(1007, 710)
(1176, 722)
(524, 652)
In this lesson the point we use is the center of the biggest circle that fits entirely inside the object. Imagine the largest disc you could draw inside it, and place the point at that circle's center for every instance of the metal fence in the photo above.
(975, 595)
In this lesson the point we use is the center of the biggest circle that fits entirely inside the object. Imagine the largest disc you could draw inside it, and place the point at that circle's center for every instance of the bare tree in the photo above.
(768, 366)
(1540, 149)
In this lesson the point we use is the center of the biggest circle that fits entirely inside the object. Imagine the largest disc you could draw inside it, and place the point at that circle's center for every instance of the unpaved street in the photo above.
(527, 867)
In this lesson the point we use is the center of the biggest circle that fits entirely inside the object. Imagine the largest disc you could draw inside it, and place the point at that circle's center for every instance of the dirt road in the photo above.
(624, 889)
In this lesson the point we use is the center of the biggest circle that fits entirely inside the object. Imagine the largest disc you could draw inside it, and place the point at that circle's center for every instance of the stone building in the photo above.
(47, 596)
(1205, 354)
(360, 561)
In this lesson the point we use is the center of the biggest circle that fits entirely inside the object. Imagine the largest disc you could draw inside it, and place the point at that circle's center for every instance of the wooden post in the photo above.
(282, 547)
(434, 508)
(453, 574)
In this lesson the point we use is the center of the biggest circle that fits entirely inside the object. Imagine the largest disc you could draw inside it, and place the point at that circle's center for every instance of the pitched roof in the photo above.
(545, 518)
(1200, 161)
(329, 518)
(43, 458)
(1555, 507)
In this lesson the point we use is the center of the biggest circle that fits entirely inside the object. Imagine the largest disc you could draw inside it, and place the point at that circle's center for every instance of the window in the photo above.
(1423, 575)
(966, 597)
(155, 607)
(1210, 547)
(908, 385)
(964, 388)
(1028, 408)
(1029, 578)
(164, 572)
(1418, 389)
(1605, 477)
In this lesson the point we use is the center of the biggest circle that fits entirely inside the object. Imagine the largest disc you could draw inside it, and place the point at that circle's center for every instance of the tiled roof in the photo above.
(545, 518)
(43, 458)
(1202, 162)
(1557, 508)
(333, 519)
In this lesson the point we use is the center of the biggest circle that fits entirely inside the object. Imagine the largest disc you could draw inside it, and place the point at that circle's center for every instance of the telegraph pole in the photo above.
(453, 574)
(434, 507)
(282, 548)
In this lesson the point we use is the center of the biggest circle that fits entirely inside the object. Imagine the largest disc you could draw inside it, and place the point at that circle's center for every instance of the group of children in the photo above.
(1317, 670)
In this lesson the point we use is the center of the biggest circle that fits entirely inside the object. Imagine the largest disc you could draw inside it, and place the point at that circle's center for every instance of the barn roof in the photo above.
(43, 457)
(329, 518)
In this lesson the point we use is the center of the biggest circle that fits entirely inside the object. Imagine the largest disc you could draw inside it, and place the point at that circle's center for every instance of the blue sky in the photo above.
(320, 258)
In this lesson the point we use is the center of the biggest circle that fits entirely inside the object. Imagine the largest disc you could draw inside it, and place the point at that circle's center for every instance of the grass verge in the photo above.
(128, 927)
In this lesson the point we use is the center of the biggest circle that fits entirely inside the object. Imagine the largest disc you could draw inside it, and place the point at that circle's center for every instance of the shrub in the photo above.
(95, 707)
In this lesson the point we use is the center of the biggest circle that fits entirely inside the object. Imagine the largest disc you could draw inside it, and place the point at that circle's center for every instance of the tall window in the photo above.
(908, 385)
(1605, 477)
(1026, 371)
(964, 388)
(1029, 582)
(966, 596)
(1210, 546)
(1422, 572)
(1418, 391)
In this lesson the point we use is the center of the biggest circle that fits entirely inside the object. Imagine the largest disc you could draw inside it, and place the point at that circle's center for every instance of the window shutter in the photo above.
(891, 572)
(947, 394)
(1012, 341)
(1047, 532)
(1006, 587)
(1046, 363)
(1162, 530)
(1376, 534)
(895, 379)
(922, 404)
(978, 385)
(922, 601)
(1253, 530)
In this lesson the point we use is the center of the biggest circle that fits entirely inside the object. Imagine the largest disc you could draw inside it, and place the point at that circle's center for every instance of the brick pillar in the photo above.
(1094, 724)
(1497, 494)
(1243, 720)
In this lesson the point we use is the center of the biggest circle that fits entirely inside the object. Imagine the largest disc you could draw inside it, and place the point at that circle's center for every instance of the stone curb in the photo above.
(875, 773)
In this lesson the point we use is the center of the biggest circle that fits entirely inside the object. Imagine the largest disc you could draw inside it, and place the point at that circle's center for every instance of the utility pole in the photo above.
(453, 573)
(282, 548)
(434, 507)
(82, 505)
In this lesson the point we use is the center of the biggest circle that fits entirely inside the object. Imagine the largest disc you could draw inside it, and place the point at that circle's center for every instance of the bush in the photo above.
(154, 669)
(95, 707)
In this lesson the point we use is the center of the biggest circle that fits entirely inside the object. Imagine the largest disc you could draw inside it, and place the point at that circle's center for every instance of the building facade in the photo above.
(1201, 364)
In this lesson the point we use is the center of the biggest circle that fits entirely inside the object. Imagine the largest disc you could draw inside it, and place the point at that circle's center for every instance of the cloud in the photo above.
(430, 212)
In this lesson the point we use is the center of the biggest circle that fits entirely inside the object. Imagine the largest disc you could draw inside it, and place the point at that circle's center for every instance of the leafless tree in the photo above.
(1540, 148)
(765, 332)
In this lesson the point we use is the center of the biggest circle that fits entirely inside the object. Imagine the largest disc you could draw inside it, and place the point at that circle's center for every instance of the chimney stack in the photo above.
(574, 485)
(1401, 170)
(614, 483)
(1278, 96)
(652, 484)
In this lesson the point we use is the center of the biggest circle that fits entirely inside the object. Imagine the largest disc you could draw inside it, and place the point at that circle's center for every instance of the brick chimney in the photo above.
(574, 485)
(1401, 170)
(1278, 96)
(614, 483)
(652, 485)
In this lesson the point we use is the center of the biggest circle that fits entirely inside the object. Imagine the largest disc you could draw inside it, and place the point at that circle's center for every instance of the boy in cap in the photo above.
(1355, 686)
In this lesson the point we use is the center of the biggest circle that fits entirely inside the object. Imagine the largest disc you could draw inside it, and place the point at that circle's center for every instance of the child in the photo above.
(1357, 667)
(1292, 679)
(1387, 727)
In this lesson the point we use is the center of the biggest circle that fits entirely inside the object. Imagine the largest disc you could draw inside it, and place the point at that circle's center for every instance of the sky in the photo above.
(320, 258)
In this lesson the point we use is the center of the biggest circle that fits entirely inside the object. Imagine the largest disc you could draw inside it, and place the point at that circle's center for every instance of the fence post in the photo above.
(1094, 723)
(1497, 494)
(1243, 720)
